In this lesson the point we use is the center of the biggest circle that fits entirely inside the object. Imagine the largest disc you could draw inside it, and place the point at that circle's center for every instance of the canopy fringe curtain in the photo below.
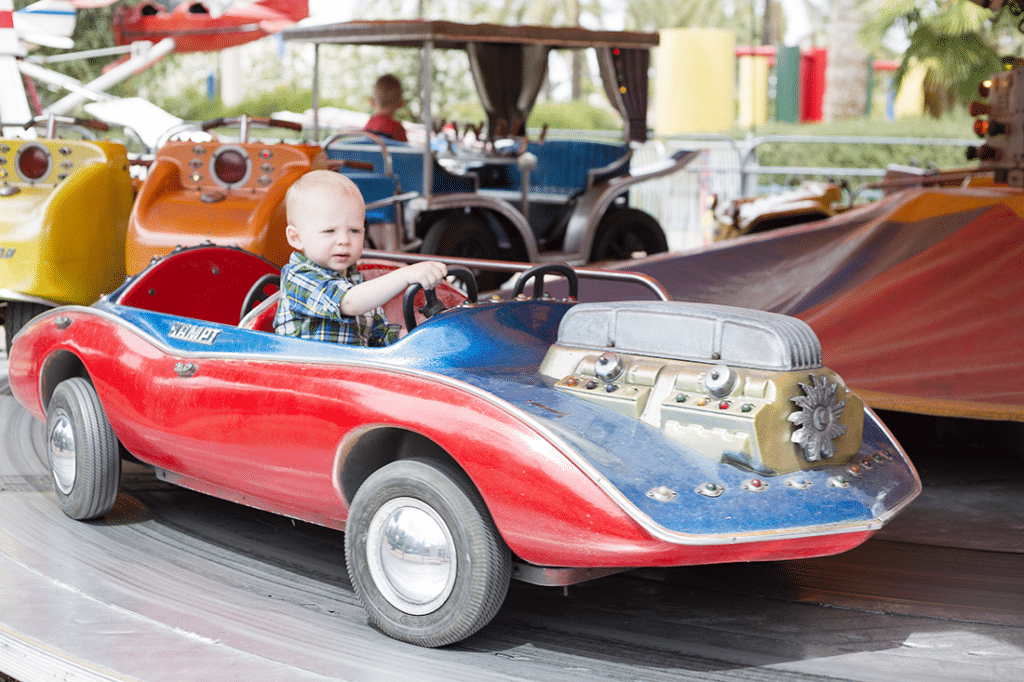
(624, 74)
(508, 79)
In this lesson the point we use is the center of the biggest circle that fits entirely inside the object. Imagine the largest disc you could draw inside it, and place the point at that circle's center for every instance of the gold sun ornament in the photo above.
(817, 418)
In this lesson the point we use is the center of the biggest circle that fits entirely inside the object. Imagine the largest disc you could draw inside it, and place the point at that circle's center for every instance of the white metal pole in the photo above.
(146, 58)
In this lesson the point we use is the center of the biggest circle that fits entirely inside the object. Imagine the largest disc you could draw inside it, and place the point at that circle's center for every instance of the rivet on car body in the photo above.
(591, 385)
(853, 470)
(709, 490)
(798, 483)
(680, 397)
(185, 369)
(755, 485)
(662, 494)
(838, 482)
(62, 321)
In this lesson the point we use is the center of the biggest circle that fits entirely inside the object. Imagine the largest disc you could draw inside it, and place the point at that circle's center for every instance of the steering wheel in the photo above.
(377, 139)
(538, 273)
(263, 289)
(53, 121)
(433, 306)
(243, 123)
(180, 129)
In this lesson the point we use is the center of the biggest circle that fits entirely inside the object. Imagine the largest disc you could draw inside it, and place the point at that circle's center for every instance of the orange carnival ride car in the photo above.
(229, 193)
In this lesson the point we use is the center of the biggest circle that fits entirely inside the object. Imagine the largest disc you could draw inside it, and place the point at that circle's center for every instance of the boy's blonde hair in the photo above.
(387, 92)
(306, 189)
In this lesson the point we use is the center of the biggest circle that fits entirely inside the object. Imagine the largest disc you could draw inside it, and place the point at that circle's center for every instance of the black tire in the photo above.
(624, 231)
(17, 315)
(438, 502)
(464, 236)
(83, 452)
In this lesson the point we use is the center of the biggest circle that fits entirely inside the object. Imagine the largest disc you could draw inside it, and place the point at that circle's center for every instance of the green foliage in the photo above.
(194, 106)
(92, 31)
(573, 116)
(844, 155)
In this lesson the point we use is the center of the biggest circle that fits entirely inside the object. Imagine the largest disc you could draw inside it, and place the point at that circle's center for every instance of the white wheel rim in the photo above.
(411, 555)
(61, 452)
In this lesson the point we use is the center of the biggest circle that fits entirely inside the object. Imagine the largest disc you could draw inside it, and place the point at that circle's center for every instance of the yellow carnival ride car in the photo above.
(64, 207)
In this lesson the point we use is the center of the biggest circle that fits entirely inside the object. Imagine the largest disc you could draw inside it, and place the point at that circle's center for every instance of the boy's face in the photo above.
(329, 230)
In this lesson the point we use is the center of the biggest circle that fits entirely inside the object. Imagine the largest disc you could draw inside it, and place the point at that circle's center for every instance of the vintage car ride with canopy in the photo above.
(534, 438)
(495, 192)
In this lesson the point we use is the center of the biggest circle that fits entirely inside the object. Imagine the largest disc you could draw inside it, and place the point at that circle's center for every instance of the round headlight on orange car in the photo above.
(230, 166)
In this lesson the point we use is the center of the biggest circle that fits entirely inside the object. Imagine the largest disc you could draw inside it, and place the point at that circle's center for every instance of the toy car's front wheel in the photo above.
(83, 452)
(424, 555)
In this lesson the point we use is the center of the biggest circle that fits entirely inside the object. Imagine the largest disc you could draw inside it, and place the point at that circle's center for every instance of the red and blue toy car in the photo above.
(534, 438)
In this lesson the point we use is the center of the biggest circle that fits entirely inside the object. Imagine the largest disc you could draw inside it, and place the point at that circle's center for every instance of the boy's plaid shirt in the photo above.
(310, 302)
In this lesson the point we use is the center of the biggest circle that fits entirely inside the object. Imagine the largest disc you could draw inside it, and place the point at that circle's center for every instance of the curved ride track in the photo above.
(173, 584)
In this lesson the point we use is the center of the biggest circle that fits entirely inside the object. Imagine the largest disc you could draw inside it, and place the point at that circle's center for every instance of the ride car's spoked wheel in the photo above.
(625, 233)
(83, 452)
(424, 556)
(17, 315)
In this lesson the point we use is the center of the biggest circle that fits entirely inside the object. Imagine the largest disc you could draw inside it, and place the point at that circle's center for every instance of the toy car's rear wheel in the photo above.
(83, 452)
(17, 315)
(424, 555)
(625, 232)
(464, 236)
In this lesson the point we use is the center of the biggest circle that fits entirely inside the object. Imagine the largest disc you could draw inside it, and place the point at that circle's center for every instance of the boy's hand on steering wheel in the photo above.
(427, 274)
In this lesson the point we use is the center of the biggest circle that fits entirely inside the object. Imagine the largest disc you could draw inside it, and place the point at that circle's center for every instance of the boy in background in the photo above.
(386, 100)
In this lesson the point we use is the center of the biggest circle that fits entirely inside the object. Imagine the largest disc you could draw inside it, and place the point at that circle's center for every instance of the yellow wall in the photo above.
(752, 95)
(910, 97)
(695, 72)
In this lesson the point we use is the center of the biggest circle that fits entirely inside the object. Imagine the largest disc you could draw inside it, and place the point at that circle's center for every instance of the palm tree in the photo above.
(847, 70)
(956, 41)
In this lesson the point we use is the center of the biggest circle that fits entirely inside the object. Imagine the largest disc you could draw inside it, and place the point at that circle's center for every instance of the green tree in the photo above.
(92, 31)
(958, 43)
